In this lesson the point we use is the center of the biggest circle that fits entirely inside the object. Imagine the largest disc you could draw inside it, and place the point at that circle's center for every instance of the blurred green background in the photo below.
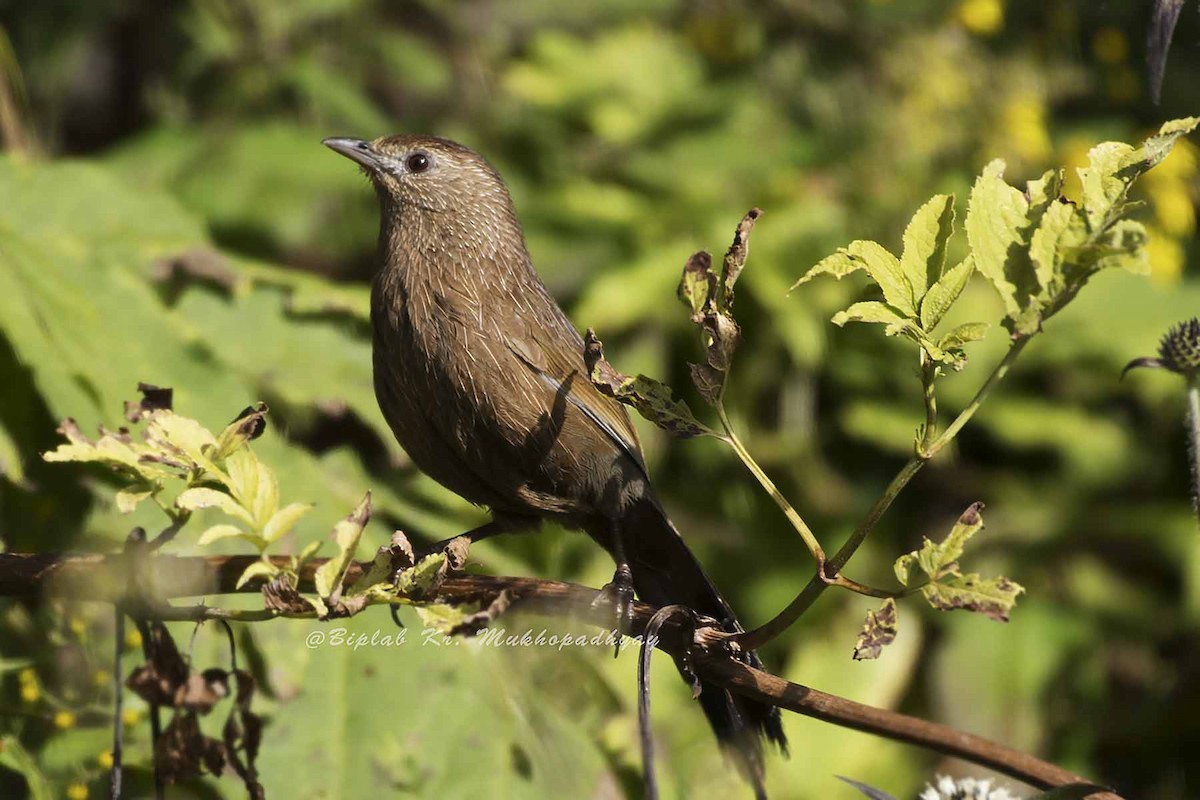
(168, 215)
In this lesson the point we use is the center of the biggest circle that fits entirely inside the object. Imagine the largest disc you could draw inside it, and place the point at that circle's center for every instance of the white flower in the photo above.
(964, 789)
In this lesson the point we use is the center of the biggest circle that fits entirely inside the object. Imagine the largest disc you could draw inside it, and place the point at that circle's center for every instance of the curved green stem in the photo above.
(828, 576)
(731, 438)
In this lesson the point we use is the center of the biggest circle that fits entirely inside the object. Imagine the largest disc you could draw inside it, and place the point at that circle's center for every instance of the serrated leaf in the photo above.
(925, 238)
(878, 631)
(935, 557)
(996, 215)
(944, 292)
(203, 497)
(884, 268)
(1113, 166)
(258, 569)
(1123, 246)
(992, 597)
(283, 520)
(873, 311)
(653, 400)
(964, 334)
(345, 535)
(839, 265)
(219, 532)
(1050, 241)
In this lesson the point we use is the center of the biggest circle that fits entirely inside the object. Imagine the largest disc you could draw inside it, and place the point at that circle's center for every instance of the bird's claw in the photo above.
(619, 594)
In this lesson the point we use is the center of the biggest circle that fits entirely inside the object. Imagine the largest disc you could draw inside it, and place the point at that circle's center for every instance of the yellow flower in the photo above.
(30, 693)
(105, 760)
(131, 716)
(64, 720)
(981, 17)
(1024, 120)
(102, 677)
(78, 626)
(133, 638)
(77, 791)
(1166, 258)
(1110, 46)
(27, 676)
(1173, 208)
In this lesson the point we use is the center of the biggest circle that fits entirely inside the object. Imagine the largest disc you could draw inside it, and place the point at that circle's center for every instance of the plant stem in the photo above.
(928, 378)
(731, 438)
(1193, 426)
(825, 577)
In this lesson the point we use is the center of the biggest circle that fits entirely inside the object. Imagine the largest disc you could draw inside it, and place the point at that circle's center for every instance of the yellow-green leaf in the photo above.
(258, 569)
(345, 535)
(884, 268)
(944, 292)
(924, 256)
(283, 520)
(203, 497)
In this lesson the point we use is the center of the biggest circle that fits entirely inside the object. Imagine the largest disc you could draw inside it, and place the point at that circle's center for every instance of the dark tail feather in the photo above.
(666, 572)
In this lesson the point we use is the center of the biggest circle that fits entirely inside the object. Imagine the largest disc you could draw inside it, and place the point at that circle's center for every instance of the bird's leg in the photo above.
(485, 531)
(619, 591)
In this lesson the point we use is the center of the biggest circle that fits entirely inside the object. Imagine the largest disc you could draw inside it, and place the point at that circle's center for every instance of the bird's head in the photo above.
(426, 173)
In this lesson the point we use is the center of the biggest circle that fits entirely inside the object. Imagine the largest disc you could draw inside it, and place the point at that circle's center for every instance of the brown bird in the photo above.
(481, 377)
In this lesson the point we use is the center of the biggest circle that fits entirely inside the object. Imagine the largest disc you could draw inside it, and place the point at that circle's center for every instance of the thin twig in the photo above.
(759, 636)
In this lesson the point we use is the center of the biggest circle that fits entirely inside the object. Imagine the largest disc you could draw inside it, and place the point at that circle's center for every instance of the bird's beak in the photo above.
(357, 150)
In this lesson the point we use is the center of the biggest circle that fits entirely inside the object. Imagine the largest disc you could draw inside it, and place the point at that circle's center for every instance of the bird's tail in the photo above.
(666, 572)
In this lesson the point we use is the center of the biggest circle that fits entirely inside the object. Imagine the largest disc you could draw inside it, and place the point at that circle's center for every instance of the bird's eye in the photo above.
(417, 162)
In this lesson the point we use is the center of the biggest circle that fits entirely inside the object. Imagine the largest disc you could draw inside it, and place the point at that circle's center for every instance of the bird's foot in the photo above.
(619, 594)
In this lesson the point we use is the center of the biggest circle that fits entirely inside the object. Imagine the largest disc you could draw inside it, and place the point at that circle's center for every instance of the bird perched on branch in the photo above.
(482, 379)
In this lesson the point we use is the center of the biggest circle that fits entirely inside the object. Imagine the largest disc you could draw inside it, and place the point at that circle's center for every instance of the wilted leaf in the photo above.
(878, 631)
(651, 399)
(697, 284)
(964, 334)
(735, 259)
(925, 238)
(346, 534)
(992, 597)
(154, 398)
(247, 426)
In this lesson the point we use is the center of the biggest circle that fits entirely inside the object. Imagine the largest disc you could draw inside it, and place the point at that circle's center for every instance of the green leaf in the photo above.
(14, 756)
(964, 334)
(873, 311)
(886, 271)
(346, 534)
(1123, 246)
(1113, 166)
(10, 458)
(183, 437)
(992, 597)
(839, 265)
(283, 520)
(226, 531)
(925, 238)
(944, 292)
(1062, 227)
(257, 569)
(129, 497)
(203, 497)
(878, 631)
(996, 217)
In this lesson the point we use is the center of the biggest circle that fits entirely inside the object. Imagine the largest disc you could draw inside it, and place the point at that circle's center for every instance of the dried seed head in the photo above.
(1180, 348)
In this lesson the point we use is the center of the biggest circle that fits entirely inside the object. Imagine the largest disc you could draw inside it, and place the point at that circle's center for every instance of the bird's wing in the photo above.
(550, 346)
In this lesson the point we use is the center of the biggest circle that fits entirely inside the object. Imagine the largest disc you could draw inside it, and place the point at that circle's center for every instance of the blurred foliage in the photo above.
(168, 215)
